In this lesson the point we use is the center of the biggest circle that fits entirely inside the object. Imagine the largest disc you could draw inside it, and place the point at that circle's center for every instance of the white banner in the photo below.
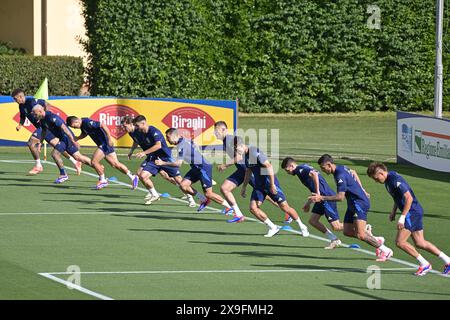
(423, 141)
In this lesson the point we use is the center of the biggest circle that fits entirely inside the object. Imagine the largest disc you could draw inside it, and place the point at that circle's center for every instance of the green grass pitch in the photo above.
(126, 250)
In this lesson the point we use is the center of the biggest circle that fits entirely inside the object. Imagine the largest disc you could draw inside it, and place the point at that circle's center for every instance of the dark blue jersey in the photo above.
(303, 171)
(254, 159)
(25, 110)
(187, 151)
(397, 186)
(94, 130)
(135, 136)
(354, 193)
(149, 139)
(228, 147)
(53, 123)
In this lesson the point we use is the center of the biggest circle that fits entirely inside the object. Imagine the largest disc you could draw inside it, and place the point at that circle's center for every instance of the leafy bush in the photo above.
(276, 56)
(5, 48)
(65, 74)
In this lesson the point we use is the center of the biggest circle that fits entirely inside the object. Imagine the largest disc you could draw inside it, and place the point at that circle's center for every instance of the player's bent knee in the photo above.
(115, 165)
(224, 189)
(185, 184)
(361, 236)
(400, 244)
(421, 244)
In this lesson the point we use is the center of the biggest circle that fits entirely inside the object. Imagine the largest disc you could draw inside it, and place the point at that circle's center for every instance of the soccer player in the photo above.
(154, 147)
(201, 170)
(50, 122)
(25, 108)
(266, 184)
(355, 221)
(410, 221)
(315, 183)
(101, 136)
(237, 177)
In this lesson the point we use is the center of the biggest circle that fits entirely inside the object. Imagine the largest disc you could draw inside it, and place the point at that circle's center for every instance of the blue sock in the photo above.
(62, 171)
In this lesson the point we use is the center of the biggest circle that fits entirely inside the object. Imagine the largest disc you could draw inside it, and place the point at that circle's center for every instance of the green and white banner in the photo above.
(423, 141)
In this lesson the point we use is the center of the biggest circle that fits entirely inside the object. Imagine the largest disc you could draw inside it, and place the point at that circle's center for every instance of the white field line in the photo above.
(76, 213)
(76, 287)
(229, 271)
(49, 275)
(18, 161)
(255, 220)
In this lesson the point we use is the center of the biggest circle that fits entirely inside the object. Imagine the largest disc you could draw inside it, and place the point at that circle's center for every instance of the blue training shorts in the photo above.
(238, 176)
(48, 136)
(66, 144)
(204, 175)
(150, 166)
(327, 208)
(355, 212)
(259, 195)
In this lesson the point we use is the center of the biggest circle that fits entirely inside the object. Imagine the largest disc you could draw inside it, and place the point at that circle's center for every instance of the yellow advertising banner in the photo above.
(194, 118)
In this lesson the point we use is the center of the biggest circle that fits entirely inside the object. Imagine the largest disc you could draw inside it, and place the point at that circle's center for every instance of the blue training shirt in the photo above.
(228, 147)
(149, 139)
(188, 152)
(54, 124)
(303, 171)
(94, 130)
(254, 160)
(354, 193)
(26, 108)
(397, 186)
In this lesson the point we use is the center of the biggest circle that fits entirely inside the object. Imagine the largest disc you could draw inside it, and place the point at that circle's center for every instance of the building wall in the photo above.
(21, 26)
(16, 23)
(65, 26)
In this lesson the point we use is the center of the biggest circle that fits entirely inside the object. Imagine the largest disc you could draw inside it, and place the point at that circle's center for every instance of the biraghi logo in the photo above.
(112, 116)
(191, 121)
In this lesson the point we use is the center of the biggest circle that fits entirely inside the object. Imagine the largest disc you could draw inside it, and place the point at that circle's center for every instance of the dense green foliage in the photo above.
(276, 56)
(65, 74)
(5, 48)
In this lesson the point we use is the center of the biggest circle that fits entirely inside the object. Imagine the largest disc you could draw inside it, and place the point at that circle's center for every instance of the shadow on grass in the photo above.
(92, 194)
(357, 290)
(251, 244)
(93, 202)
(277, 254)
(426, 215)
(315, 267)
(408, 170)
(218, 233)
(49, 185)
(24, 180)
(166, 217)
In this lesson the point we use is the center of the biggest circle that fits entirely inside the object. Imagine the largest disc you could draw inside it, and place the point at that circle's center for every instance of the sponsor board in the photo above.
(194, 118)
(423, 141)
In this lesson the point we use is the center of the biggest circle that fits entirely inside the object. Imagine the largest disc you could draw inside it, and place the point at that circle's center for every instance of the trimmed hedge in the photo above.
(276, 56)
(5, 48)
(65, 74)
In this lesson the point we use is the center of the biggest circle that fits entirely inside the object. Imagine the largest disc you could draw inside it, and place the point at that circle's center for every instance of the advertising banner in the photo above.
(194, 118)
(423, 141)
